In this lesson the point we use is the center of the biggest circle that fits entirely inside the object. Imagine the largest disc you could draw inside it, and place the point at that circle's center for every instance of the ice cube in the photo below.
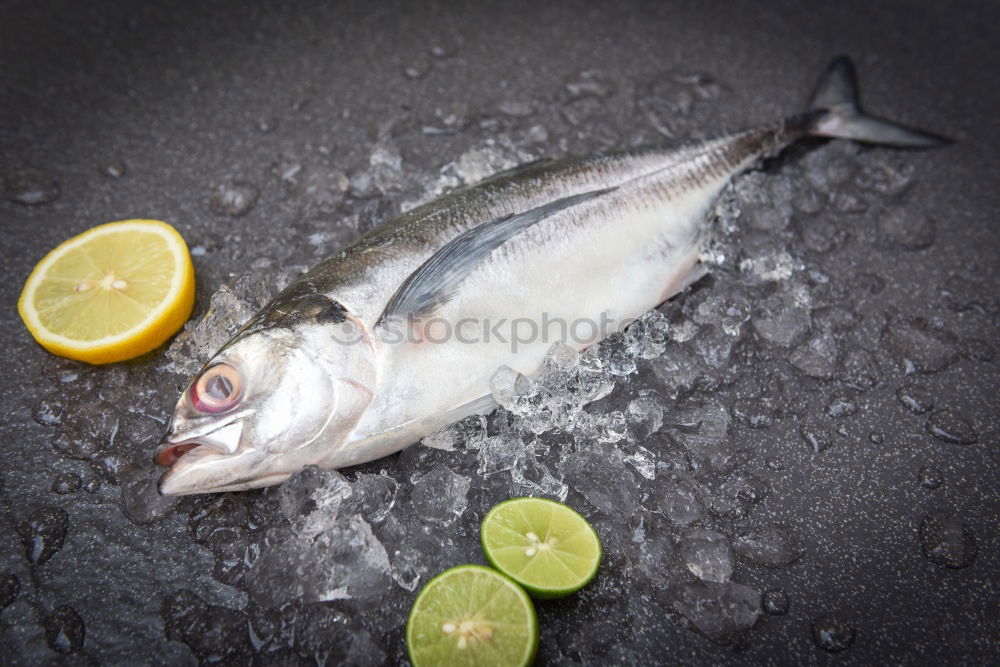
(707, 555)
(722, 612)
(645, 416)
(644, 462)
(680, 503)
(817, 357)
(531, 477)
(603, 479)
(920, 345)
(611, 426)
(726, 312)
(701, 428)
(345, 560)
(783, 318)
(311, 499)
(373, 496)
(200, 340)
(514, 391)
(498, 453)
(439, 495)
(768, 544)
(647, 336)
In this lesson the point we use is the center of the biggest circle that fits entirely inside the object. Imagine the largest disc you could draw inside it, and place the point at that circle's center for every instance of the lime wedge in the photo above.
(472, 615)
(543, 545)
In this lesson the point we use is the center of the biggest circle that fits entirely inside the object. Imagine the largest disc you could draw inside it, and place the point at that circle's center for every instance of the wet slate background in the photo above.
(184, 99)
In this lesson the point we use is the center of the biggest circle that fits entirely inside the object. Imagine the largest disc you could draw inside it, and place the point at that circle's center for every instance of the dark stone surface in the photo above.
(112, 111)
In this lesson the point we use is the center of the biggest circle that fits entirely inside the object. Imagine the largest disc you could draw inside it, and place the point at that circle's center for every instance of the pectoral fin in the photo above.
(438, 279)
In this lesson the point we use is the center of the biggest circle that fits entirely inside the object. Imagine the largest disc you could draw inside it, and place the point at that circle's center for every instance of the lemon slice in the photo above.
(112, 293)
(543, 545)
(471, 615)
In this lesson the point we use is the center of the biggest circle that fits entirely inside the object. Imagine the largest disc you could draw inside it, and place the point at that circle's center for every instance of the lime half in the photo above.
(472, 615)
(543, 545)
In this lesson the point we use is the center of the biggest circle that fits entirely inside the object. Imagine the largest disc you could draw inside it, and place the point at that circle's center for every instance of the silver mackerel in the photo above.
(400, 333)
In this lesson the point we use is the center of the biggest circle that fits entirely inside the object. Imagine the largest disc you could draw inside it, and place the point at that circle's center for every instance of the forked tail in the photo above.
(837, 94)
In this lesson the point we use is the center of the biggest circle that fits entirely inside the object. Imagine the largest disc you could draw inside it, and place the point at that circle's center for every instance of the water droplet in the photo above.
(451, 118)
(962, 293)
(30, 186)
(915, 398)
(112, 168)
(65, 483)
(446, 46)
(755, 412)
(946, 541)
(978, 349)
(930, 477)
(10, 587)
(140, 500)
(951, 426)
(417, 68)
(841, 406)
(64, 630)
(43, 533)
(234, 199)
(48, 412)
(832, 634)
(776, 602)
(861, 370)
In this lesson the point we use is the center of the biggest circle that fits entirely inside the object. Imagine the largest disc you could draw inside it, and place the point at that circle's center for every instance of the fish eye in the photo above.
(217, 389)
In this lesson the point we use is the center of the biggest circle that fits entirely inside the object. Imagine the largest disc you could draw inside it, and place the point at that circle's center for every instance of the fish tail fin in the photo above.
(836, 113)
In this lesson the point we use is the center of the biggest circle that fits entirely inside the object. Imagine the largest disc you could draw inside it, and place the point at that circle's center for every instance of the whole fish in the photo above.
(399, 334)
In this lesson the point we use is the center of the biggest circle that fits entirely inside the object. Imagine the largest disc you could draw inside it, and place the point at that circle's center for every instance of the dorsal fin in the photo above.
(436, 281)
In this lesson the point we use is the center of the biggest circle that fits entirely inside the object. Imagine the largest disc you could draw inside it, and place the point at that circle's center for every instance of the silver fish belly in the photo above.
(398, 335)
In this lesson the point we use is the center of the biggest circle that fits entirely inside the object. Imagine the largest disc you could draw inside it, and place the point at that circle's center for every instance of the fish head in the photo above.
(268, 404)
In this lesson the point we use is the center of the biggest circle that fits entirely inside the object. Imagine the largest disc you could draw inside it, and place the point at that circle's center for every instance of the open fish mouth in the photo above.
(224, 440)
(169, 454)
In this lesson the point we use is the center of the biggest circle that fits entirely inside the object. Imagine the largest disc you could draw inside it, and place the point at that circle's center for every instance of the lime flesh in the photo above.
(472, 615)
(543, 545)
